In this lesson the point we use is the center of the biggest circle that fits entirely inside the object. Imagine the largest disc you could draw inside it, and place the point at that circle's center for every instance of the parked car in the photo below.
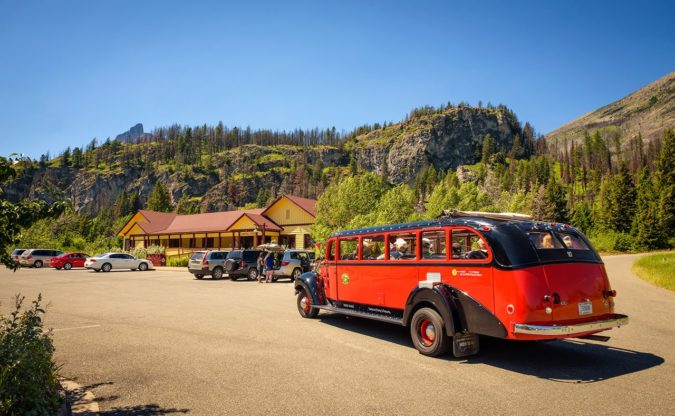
(16, 254)
(109, 261)
(242, 263)
(293, 263)
(68, 260)
(208, 263)
(37, 257)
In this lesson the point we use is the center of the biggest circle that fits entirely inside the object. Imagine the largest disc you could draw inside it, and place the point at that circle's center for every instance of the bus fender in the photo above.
(473, 317)
(439, 300)
(311, 284)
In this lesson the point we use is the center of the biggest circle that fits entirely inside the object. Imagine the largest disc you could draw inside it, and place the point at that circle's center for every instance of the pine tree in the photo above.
(665, 181)
(159, 199)
(646, 225)
(65, 158)
(489, 147)
(555, 198)
(582, 218)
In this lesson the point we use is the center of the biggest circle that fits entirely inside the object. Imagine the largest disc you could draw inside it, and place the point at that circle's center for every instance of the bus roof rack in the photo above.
(499, 216)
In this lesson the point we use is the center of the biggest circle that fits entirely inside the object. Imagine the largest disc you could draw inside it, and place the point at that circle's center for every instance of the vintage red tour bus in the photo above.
(462, 275)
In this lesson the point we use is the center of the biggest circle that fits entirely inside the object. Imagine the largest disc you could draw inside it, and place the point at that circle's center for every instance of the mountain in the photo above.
(218, 168)
(133, 134)
(649, 111)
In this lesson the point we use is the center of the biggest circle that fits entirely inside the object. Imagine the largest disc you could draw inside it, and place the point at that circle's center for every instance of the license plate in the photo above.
(585, 308)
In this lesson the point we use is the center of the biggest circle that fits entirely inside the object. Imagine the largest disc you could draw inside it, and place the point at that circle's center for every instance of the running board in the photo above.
(350, 312)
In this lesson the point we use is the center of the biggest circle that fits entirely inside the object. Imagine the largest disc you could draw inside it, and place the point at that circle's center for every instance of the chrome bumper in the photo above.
(567, 330)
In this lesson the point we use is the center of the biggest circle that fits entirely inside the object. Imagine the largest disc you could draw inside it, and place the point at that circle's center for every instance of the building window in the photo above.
(288, 214)
(174, 243)
(209, 243)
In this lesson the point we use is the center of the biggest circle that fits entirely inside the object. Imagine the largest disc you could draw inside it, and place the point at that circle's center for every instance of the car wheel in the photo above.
(67, 266)
(253, 274)
(296, 274)
(106, 267)
(143, 267)
(304, 304)
(199, 276)
(428, 333)
(217, 273)
(37, 264)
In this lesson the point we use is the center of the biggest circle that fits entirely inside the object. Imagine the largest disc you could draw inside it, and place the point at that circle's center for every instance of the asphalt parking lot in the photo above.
(160, 342)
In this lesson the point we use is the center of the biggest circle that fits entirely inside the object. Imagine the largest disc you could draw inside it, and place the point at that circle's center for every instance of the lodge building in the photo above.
(287, 221)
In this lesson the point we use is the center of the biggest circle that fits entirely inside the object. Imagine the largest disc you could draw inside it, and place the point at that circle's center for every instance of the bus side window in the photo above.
(349, 249)
(372, 248)
(402, 246)
(433, 245)
(467, 244)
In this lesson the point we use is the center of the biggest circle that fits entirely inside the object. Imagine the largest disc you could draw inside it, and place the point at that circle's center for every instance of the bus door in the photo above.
(433, 257)
(470, 266)
(347, 279)
(330, 285)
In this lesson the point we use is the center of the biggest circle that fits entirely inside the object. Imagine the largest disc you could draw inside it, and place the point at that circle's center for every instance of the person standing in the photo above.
(261, 267)
(269, 267)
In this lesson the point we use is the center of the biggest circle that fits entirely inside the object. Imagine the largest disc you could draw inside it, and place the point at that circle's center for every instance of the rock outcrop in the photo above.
(445, 139)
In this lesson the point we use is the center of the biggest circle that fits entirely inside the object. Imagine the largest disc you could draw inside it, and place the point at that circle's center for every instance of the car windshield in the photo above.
(234, 254)
(197, 256)
(17, 252)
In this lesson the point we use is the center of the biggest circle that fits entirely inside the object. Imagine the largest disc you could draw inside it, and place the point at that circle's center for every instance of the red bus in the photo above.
(463, 275)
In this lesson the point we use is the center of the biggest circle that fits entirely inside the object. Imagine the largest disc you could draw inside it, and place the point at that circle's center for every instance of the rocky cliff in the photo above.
(443, 138)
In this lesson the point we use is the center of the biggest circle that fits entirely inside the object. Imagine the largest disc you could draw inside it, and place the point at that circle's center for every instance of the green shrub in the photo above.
(28, 374)
(612, 241)
(155, 249)
(176, 261)
(139, 252)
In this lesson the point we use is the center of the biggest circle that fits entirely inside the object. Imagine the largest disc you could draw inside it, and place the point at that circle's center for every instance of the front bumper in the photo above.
(573, 329)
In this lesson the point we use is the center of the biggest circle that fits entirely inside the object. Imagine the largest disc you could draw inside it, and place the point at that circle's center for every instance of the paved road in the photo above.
(161, 342)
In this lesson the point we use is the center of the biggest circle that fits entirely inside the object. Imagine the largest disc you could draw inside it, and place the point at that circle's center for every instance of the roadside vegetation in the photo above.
(618, 191)
(28, 374)
(658, 269)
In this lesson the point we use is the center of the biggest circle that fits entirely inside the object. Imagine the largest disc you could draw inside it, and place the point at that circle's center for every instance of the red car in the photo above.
(68, 260)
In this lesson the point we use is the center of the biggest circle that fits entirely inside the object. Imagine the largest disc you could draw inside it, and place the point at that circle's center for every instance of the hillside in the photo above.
(649, 111)
(215, 168)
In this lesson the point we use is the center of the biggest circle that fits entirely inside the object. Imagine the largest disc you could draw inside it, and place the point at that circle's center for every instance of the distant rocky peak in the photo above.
(132, 134)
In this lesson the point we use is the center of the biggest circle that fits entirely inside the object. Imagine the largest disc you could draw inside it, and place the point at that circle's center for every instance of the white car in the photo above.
(109, 261)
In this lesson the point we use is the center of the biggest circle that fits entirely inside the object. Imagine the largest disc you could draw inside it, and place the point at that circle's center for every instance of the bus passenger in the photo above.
(426, 249)
(400, 247)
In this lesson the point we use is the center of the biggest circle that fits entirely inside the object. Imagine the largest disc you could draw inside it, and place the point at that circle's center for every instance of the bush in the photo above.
(139, 252)
(28, 374)
(155, 249)
(612, 241)
(181, 261)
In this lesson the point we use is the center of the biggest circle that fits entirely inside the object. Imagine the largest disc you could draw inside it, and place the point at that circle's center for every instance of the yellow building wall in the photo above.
(287, 212)
(243, 223)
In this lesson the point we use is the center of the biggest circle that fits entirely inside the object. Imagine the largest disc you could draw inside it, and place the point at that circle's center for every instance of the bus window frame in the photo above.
(486, 260)
(420, 257)
(372, 236)
(413, 231)
(338, 255)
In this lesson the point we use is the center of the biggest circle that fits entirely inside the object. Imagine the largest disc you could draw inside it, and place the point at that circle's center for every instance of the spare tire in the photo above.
(231, 265)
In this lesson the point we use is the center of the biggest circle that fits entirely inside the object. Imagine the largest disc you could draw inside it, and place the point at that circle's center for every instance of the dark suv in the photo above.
(242, 263)
(207, 263)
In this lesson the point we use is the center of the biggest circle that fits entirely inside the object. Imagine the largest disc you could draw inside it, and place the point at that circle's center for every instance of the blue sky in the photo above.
(74, 70)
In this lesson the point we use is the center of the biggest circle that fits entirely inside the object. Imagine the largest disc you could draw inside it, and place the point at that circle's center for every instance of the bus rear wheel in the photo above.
(427, 331)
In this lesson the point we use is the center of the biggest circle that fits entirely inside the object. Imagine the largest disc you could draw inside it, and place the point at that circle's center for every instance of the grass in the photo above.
(658, 269)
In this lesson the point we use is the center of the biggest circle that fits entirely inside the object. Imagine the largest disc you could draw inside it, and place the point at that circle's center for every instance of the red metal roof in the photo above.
(210, 222)
(172, 223)
(306, 204)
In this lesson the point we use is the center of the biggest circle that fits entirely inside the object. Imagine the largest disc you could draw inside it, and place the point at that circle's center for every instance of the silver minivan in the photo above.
(37, 257)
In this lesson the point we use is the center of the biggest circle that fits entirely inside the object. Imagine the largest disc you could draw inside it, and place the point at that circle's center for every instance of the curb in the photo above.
(81, 402)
